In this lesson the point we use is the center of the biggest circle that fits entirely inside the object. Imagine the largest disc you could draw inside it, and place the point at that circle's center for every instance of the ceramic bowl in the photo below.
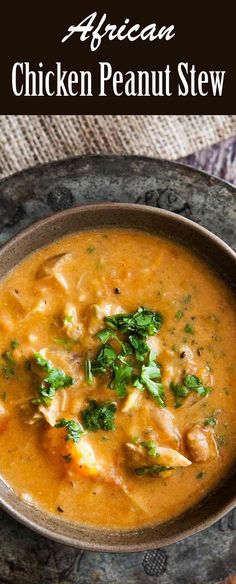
(221, 258)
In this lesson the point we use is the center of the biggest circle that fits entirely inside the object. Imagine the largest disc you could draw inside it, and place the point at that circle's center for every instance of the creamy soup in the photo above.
(118, 375)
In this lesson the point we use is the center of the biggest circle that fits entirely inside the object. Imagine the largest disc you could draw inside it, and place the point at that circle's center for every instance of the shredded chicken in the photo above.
(138, 457)
(71, 325)
(52, 267)
(97, 312)
(166, 424)
(52, 412)
(131, 400)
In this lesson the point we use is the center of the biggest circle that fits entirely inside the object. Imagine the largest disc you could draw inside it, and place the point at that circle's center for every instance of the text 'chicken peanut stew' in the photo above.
(117, 378)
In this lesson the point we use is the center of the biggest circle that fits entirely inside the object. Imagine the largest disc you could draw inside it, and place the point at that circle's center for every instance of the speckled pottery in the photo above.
(208, 246)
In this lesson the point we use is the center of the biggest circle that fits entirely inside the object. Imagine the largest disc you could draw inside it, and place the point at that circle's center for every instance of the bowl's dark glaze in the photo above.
(219, 255)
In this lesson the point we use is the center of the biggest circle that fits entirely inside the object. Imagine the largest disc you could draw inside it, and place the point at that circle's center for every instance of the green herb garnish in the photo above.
(122, 373)
(151, 447)
(67, 319)
(187, 299)
(143, 322)
(74, 429)
(68, 344)
(211, 421)
(14, 344)
(190, 383)
(54, 380)
(139, 346)
(189, 329)
(124, 364)
(99, 416)
(104, 360)
(152, 470)
(200, 475)
(67, 458)
(9, 365)
(150, 379)
(179, 314)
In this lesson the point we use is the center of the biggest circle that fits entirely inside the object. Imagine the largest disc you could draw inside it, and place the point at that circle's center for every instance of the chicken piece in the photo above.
(139, 457)
(52, 267)
(201, 443)
(172, 368)
(166, 424)
(52, 412)
(171, 457)
(97, 313)
(41, 306)
(71, 326)
(155, 344)
(6, 324)
(188, 361)
(131, 400)
(18, 302)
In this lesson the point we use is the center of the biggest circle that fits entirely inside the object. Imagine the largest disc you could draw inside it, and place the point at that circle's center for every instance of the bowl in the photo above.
(221, 257)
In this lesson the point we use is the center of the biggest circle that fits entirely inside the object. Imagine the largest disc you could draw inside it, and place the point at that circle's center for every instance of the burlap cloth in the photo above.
(28, 139)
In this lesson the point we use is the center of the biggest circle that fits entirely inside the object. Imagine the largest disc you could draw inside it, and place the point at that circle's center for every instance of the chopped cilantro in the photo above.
(152, 470)
(74, 429)
(151, 447)
(142, 322)
(200, 475)
(54, 380)
(9, 364)
(139, 345)
(179, 314)
(104, 360)
(99, 416)
(121, 377)
(14, 344)
(108, 334)
(124, 365)
(105, 335)
(221, 441)
(67, 343)
(135, 439)
(211, 421)
(3, 396)
(189, 329)
(149, 373)
(190, 383)
(90, 249)
(193, 382)
(187, 299)
(67, 319)
(67, 458)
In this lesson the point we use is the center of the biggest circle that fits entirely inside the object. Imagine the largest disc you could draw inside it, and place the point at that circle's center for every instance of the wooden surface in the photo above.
(208, 559)
(219, 160)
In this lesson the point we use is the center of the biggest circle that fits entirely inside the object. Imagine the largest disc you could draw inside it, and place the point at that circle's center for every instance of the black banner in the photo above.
(81, 58)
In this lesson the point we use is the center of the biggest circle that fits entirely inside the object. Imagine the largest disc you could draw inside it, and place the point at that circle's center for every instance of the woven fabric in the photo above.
(27, 140)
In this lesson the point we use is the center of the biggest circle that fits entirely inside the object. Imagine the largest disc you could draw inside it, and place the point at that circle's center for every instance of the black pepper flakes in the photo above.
(117, 291)
(59, 508)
